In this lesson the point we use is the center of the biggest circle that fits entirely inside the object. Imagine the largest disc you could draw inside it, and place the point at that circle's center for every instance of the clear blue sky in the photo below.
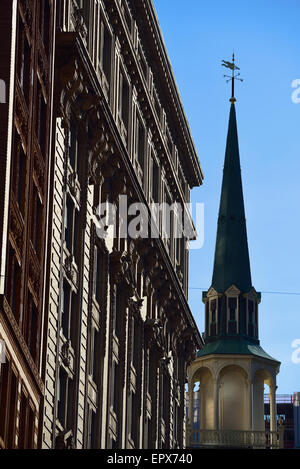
(264, 35)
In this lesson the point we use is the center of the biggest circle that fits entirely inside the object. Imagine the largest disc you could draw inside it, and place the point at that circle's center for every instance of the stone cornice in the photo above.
(195, 175)
(161, 66)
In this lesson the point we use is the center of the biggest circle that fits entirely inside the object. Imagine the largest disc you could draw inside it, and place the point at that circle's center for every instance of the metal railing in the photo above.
(280, 399)
(235, 439)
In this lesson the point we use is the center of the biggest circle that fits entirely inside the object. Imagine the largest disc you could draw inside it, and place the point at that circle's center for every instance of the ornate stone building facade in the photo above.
(108, 359)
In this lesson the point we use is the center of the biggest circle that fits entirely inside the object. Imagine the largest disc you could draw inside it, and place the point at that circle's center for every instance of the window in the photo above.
(134, 345)
(250, 311)
(181, 180)
(213, 316)
(250, 318)
(11, 434)
(155, 181)
(124, 100)
(95, 372)
(175, 421)
(105, 52)
(149, 433)
(45, 12)
(115, 387)
(14, 283)
(169, 141)
(97, 280)
(147, 373)
(85, 6)
(31, 327)
(23, 422)
(41, 119)
(26, 424)
(178, 250)
(92, 430)
(20, 177)
(94, 354)
(157, 105)
(256, 314)
(64, 401)
(127, 15)
(37, 221)
(8, 405)
(71, 227)
(96, 200)
(73, 145)
(24, 56)
(139, 283)
(140, 143)
(143, 62)
(68, 306)
(69, 218)
(179, 241)
(30, 433)
(165, 398)
(213, 310)
(66, 302)
(134, 419)
(117, 311)
(62, 397)
(232, 308)
(19, 172)
(232, 322)
(168, 219)
(4, 396)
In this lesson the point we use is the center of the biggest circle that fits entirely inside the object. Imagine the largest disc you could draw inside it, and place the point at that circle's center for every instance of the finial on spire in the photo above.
(232, 67)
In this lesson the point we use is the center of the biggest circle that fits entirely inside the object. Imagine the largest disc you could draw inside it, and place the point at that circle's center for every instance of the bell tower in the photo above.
(232, 368)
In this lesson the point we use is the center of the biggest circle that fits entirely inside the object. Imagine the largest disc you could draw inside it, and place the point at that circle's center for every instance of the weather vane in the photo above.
(233, 77)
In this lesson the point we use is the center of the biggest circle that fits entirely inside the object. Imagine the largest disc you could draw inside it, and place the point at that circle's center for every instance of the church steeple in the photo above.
(232, 367)
(231, 265)
(231, 302)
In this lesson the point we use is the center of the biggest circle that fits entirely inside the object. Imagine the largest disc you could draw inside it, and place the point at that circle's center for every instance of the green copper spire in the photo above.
(231, 265)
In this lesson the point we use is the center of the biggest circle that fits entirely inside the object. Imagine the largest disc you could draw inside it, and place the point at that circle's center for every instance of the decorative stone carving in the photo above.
(154, 334)
(69, 267)
(27, 7)
(165, 362)
(121, 270)
(187, 345)
(120, 184)
(71, 81)
(65, 353)
(79, 21)
(73, 184)
(146, 286)
(135, 306)
(151, 259)
(64, 440)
